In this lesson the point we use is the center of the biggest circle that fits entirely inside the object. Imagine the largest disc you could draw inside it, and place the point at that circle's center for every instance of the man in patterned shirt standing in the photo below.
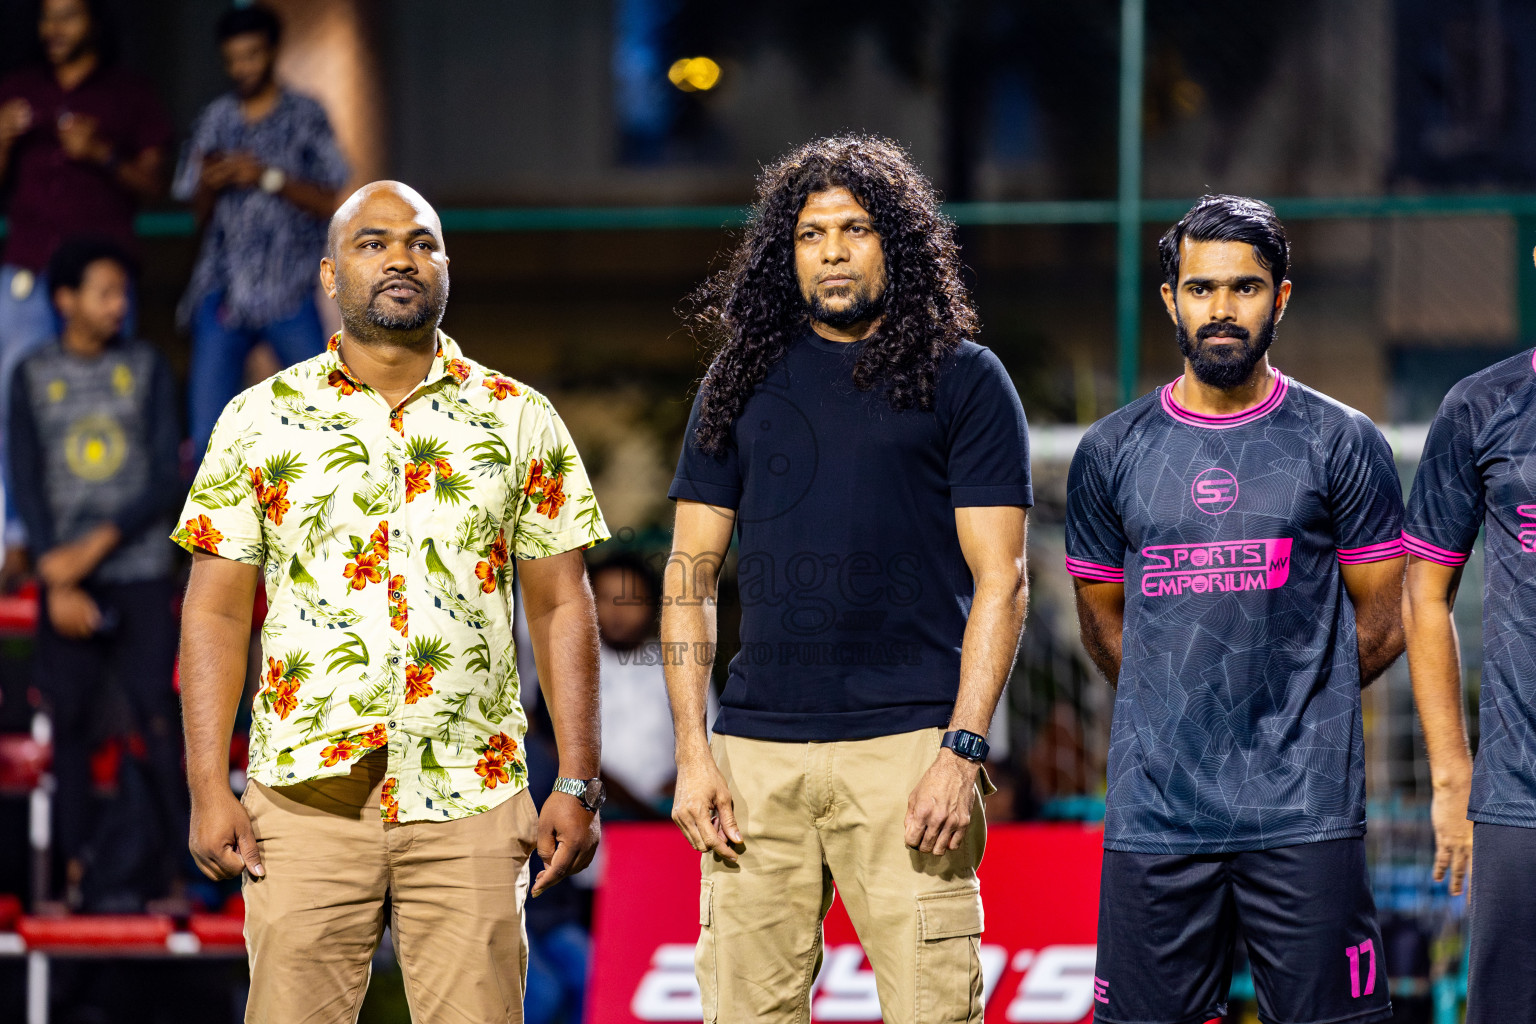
(379, 491)
(263, 170)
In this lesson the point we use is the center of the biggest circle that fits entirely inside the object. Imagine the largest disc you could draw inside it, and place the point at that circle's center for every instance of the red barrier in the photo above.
(1040, 887)
(10, 911)
(18, 611)
(121, 933)
(23, 761)
(218, 930)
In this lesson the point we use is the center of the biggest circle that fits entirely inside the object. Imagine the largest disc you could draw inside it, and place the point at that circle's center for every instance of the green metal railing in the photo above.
(1126, 214)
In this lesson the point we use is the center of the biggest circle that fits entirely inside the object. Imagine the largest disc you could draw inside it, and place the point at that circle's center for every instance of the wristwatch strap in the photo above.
(578, 788)
(966, 744)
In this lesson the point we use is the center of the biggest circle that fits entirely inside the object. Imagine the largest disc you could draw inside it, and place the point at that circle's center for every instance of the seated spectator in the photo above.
(262, 169)
(82, 141)
(94, 438)
(639, 767)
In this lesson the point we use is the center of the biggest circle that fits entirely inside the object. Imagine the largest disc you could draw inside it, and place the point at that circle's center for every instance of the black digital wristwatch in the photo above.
(967, 745)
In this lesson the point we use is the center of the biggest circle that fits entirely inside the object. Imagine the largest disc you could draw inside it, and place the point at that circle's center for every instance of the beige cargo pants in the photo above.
(815, 814)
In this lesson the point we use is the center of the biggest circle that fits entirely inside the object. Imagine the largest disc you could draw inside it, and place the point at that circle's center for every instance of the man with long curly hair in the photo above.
(873, 461)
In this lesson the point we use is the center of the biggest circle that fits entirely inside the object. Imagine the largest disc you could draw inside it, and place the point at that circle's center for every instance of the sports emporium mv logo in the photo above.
(1214, 491)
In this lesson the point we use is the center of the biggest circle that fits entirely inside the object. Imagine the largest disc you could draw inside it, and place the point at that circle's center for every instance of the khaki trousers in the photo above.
(455, 890)
(812, 814)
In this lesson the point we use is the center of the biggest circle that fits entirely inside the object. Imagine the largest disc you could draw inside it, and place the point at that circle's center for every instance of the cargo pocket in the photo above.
(704, 954)
(949, 957)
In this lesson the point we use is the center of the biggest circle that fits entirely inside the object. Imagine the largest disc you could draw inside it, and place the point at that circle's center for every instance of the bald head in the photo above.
(380, 200)
(385, 266)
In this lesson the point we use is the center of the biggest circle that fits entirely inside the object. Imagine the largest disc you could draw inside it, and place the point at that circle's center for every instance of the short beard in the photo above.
(862, 309)
(1227, 367)
(367, 321)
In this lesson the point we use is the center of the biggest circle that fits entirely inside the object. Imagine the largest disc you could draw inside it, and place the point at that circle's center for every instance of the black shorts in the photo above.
(1168, 928)
(1501, 913)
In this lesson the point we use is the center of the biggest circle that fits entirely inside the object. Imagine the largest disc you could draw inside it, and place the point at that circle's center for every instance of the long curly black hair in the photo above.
(751, 311)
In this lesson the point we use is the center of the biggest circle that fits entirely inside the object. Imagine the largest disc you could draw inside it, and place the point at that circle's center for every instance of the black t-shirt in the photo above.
(854, 591)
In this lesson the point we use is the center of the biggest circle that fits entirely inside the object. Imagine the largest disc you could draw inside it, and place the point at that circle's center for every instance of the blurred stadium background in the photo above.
(591, 158)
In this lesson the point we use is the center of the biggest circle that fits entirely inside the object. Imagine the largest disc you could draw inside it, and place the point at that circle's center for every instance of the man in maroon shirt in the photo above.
(81, 143)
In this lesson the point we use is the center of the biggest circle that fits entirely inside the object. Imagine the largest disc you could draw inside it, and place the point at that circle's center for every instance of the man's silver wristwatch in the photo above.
(272, 180)
(588, 791)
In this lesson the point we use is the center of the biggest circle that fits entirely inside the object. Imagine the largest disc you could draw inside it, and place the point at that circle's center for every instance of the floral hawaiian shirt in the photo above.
(385, 538)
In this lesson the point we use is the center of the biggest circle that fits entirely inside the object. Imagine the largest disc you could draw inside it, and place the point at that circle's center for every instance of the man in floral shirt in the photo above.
(379, 491)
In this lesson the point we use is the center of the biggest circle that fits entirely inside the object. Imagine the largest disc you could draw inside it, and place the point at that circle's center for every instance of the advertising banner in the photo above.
(1039, 884)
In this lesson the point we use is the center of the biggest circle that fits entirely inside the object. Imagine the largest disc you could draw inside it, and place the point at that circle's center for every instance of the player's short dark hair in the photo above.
(69, 263)
(239, 21)
(1223, 218)
(635, 563)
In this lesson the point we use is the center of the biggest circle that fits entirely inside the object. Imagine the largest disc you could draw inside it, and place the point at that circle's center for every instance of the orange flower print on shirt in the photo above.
(487, 573)
(458, 369)
(380, 541)
(397, 600)
(554, 496)
(287, 698)
(274, 500)
(374, 737)
(397, 421)
(338, 379)
(389, 804)
(501, 387)
(492, 771)
(363, 570)
(498, 554)
(337, 753)
(492, 768)
(418, 479)
(418, 682)
(535, 479)
(444, 469)
(334, 343)
(202, 534)
(501, 746)
(283, 689)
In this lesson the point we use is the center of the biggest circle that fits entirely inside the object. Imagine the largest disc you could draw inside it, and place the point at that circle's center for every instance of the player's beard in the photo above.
(1224, 366)
(864, 308)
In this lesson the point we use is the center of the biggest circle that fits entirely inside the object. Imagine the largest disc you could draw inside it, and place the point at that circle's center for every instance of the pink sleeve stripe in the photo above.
(1429, 552)
(1094, 571)
(1371, 552)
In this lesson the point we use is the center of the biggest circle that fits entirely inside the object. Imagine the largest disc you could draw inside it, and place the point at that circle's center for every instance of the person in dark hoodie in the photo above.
(93, 439)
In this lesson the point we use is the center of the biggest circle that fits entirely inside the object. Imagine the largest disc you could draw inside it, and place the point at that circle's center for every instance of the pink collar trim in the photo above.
(1226, 421)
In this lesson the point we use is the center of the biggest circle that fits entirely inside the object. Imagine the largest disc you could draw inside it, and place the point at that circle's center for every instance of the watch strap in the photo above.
(578, 788)
(967, 744)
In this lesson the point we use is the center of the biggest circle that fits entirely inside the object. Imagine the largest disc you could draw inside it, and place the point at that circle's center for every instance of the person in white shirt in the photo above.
(638, 766)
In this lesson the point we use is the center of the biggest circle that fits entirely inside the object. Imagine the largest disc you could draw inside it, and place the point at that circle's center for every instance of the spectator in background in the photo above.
(94, 438)
(82, 141)
(639, 768)
(262, 169)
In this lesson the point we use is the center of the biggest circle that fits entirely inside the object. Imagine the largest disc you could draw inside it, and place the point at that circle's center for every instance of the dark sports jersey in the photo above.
(1237, 718)
(1479, 466)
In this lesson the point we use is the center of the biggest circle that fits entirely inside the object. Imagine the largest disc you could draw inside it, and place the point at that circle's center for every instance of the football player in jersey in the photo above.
(1236, 547)
(1479, 469)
